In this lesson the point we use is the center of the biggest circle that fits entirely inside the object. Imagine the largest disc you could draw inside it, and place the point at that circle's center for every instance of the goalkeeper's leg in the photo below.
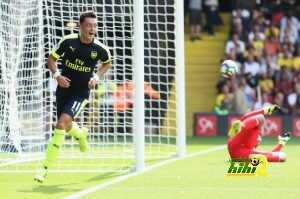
(277, 156)
(244, 154)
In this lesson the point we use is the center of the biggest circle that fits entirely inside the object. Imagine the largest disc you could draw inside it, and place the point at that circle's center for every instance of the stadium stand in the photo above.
(264, 40)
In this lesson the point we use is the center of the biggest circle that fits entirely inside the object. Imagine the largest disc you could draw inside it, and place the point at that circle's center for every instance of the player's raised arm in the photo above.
(268, 110)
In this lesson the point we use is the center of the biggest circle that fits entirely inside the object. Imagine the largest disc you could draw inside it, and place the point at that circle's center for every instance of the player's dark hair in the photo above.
(87, 14)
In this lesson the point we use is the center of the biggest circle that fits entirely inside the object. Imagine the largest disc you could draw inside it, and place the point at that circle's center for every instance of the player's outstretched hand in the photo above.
(270, 109)
(63, 81)
(92, 83)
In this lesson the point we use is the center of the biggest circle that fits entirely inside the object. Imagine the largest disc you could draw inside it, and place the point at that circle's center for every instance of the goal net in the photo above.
(30, 29)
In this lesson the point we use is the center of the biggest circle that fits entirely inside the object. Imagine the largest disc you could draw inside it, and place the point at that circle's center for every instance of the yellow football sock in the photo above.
(54, 147)
(75, 131)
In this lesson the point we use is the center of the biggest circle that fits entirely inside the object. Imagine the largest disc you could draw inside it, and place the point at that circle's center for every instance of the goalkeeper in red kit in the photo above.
(244, 136)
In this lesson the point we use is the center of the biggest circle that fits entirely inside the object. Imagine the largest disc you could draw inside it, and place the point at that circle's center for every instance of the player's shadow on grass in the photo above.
(50, 189)
(107, 176)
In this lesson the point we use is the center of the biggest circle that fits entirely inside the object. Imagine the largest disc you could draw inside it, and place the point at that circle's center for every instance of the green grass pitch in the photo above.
(199, 177)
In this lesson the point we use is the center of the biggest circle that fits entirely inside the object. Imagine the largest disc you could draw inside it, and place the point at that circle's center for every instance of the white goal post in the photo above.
(135, 117)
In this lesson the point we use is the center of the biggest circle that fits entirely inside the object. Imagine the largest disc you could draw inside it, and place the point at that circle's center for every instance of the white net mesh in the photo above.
(22, 112)
(160, 73)
(28, 33)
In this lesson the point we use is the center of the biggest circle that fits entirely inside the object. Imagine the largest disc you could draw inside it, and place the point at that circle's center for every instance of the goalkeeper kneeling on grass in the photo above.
(80, 55)
(244, 136)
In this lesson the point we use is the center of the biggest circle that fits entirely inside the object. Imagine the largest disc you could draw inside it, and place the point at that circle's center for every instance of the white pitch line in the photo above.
(150, 168)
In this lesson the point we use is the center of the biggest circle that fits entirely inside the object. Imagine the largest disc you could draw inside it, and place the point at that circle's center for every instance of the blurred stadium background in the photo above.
(264, 38)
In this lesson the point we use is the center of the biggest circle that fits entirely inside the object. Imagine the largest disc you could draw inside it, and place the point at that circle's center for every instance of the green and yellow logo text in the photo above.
(256, 165)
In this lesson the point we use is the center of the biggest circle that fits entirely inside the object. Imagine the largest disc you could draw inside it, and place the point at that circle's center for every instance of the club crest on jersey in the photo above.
(93, 54)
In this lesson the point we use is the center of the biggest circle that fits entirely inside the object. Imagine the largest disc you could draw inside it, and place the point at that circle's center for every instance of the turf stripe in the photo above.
(150, 168)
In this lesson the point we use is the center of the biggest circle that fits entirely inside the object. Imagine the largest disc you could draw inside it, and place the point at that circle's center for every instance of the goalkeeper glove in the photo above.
(270, 109)
(284, 138)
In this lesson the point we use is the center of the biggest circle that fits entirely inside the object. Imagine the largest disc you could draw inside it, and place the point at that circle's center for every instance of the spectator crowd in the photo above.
(265, 42)
(203, 16)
